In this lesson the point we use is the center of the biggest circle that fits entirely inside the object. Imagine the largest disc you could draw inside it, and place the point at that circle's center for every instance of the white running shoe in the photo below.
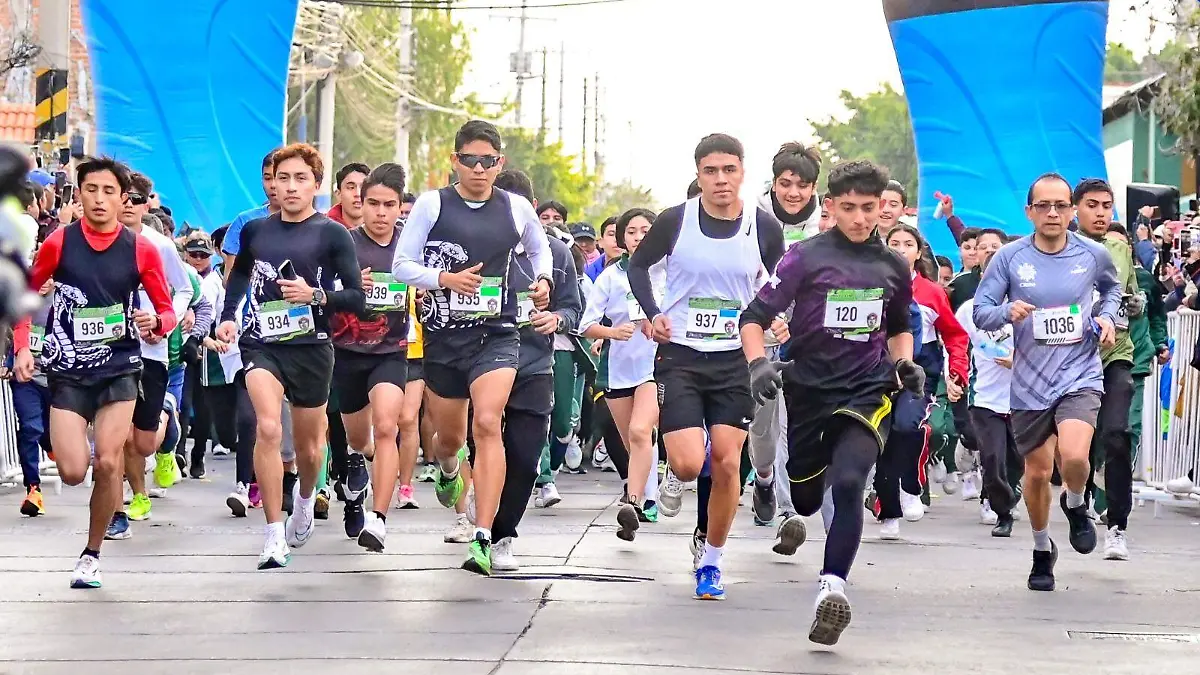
(986, 515)
(547, 496)
(127, 494)
(574, 456)
(670, 495)
(275, 553)
(697, 547)
(155, 492)
(406, 498)
(1180, 486)
(889, 530)
(952, 483)
(86, 573)
(300, 525)
(238, 501)
(599, 457)
(911, 506)
(972, 487)
(831, 613)
(461, 533)
(1115, 547)
(503, 559)
(937, 472)
(220, 451)
(374, 533)
(964, 459)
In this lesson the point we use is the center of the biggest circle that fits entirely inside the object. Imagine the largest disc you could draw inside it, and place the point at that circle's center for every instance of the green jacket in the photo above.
(1148, 331)
(1122, 257)
(175, 340)
(962, 287)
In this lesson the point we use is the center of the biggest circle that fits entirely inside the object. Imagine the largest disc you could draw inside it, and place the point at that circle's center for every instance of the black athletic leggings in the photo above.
(523, 433)
(215, 408)
(854, 451)
(187, 407)
(247, 431)
(604, 427)
(337, 440)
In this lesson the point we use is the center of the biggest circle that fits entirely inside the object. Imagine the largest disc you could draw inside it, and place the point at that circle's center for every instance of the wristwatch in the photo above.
(318, 297)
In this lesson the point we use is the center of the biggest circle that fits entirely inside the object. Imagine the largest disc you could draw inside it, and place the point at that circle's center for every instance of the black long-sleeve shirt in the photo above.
(660, 242)
(320, 251)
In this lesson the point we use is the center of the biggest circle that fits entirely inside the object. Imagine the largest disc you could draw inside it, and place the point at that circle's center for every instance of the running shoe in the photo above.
(373, 535)
(428, 473)
(764, 500)
(1115, 547)
(708, 583)
(461, 532)
(832, 611)
(118, 527)
(357, 478)
(547, 496)
(791, 535)
(574, 457)
(86, 573)
(479, 556)
(965, 460)
(649, 512)
(353, 517)
(889, 530)
(1041, 577)
(154, 492)
(238, 501)
(1083, 532)
(911, 506)
(697, 547)
(471, 506)
(196, 469)
(254, 496)
(299, 528)
(450, 489)
(503, 559)
(599, 457)
(33, 505)
(952, 483)
(986, 515)
(220, 450)
(275, 553)
(321, 507)
(972, 486)
(291, 483)
(1004, 525)
(164, 469)
(670, 497)
(937, 472)
(127, 494)
(139, 508)
(627, 521)
(405, 498)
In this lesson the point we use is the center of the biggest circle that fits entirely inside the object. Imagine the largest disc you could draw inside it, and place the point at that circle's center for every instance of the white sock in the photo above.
(443, 463)
(764, 481)
(712, 555)
(274, 530)
(305, 504)
(1074, 499)
(1041, 540)
(487, 534)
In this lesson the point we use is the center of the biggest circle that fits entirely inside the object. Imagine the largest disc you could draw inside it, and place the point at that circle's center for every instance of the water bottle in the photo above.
(994, 350)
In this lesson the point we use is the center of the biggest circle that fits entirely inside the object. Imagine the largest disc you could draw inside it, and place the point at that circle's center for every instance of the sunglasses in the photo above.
(137, 198)
(471, 161)
(199, 255)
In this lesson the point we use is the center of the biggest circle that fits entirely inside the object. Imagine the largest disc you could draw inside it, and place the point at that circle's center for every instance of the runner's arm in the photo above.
(991, 311)
(344, 262)
(176, 274)
(232, 243)
(658, 244)
(154, 280)
(595, 310)
(770, 240)
(44, 265)
(1109, 286)
(565, 299)
(407, 265)
(954, 336)
(204, 318)
(239, 275)
(774, 297)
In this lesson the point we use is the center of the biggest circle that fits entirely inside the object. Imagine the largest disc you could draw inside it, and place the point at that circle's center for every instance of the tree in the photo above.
(613, 199)
(19, 53)
(364, 128)
(878, 129)
(1177, 102)
(1119, 65)
(554, 173)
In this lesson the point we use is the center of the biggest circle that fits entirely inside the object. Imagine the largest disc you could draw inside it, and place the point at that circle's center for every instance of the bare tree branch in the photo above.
(19, 54)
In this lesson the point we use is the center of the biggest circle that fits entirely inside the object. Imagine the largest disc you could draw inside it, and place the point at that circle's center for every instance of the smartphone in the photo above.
(1156, 212)
(1185, 242)
(287, 271)
(68, 193)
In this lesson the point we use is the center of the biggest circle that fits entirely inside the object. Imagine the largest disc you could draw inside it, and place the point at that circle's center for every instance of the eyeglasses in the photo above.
(1045, 207)
(137, 198)
(471, 161)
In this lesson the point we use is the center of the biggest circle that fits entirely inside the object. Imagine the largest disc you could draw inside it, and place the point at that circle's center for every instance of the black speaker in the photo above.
(1165, 197)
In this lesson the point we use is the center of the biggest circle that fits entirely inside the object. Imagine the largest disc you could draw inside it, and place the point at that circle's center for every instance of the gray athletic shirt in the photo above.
(1045, 372)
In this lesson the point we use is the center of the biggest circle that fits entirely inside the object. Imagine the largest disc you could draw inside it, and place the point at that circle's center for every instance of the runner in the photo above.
(1043, 285)
(716, 250)
(233, 236)
(31, 404)
(349, 182)
(370, 364)
(852, 298)
(288, 263)
(792, 194)
(458, 244)
(895, 200)
(1112, 446)
(410, 413)
(90, 354)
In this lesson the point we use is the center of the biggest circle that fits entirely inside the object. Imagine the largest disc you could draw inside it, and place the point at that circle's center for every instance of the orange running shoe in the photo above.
(33, 504)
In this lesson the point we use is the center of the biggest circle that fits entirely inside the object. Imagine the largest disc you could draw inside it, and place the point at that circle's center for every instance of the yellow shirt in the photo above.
(416, 336)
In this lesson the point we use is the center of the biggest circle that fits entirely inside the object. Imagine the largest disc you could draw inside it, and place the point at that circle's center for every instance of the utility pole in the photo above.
(51, 97)
(406, 70)
(325, 130)
(562, 86)
(521, 60)
(542, 128)
(596, 121)
(583, 153)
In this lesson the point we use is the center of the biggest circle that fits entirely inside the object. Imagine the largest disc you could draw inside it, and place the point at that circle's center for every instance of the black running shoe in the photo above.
(764, 502)
(289, 490)
(1041, 577)
(1083, 532)
(357, 478)
(354, 517)
(1004, 525)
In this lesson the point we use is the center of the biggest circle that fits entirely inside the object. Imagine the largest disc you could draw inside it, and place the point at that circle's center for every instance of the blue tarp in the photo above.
(192, 94)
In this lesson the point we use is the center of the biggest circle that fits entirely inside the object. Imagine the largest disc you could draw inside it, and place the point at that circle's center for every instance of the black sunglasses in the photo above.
(137, 198)
(199, 255)
(471, 161)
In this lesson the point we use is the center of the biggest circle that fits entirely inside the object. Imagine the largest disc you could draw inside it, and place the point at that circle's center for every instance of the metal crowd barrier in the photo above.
(10, 460)
(1170, 448)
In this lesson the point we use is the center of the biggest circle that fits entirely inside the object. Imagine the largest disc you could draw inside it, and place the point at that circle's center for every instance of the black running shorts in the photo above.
(1033, 428)
(152, 391)
(86, 397)
(455, 358)
(305, 370)
(702, 389)
(355, 375)
(813, 425)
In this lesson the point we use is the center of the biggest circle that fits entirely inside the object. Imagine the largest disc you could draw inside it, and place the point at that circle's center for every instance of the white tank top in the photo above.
(710, 281)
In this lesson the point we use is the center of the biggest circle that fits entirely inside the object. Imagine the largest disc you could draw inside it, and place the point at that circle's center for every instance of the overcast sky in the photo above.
(660, 62)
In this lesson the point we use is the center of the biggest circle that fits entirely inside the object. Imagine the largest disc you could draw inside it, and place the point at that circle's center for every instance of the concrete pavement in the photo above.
(183, 596)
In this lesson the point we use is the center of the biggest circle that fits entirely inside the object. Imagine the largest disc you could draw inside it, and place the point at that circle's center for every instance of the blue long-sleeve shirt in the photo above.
(1044, 372)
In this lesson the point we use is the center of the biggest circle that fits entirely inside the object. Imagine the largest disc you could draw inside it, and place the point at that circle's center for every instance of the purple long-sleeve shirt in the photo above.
(1060, 287)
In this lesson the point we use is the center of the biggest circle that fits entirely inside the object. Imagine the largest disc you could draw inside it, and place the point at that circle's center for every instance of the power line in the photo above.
(443, 4)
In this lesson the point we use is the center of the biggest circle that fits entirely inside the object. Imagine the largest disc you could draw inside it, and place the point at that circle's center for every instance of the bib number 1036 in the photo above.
(1058, 325)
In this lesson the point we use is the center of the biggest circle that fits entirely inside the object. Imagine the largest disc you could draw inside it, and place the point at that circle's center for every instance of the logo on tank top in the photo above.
(1027, 272)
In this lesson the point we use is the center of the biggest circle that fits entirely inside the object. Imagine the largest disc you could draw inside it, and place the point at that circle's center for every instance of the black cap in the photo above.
(198, 245)
(583, 231)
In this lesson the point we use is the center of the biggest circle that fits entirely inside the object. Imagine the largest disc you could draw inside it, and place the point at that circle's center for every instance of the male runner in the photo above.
(1043, 284)
(852, 298)
(348, 182)
(288, 262)
(233, 236)
(458, 243)
(91, 353)
(791, 197)
(717, 249)
(370, 364)
(894, 201)
(1113, 442)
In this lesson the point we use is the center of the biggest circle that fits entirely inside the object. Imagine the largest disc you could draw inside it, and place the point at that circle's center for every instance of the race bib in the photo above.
(524, 307)
(386, 294)
(280, 320)
(485, 303)
(37, 338)
(1058, 325)
(1122, 322)
(99, 324)
(853, 314)
(712, 319)
(636, 313)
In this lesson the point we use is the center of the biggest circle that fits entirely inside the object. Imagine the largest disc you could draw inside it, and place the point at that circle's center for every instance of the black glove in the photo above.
(911, 376)
(1135, 305)
(765, 379)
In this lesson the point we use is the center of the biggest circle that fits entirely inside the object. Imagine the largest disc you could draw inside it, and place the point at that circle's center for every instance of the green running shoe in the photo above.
(139, 508)
(449, 490)
(479, 556)
(165, 469)
(649, 513)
